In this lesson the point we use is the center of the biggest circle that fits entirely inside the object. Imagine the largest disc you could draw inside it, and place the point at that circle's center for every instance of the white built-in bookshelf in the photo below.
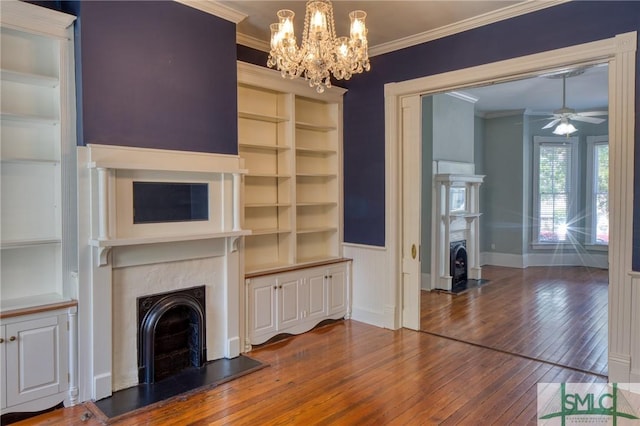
(38, 254)
(37, 146)
(290, 140)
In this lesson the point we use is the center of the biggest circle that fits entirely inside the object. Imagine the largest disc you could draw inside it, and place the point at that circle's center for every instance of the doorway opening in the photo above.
(402, 113)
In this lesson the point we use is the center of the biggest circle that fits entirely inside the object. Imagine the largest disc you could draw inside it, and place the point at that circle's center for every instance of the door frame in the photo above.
(620, 53)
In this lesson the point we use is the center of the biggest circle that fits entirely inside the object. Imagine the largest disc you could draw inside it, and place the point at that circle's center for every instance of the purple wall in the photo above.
(560, 26)
(156, 74)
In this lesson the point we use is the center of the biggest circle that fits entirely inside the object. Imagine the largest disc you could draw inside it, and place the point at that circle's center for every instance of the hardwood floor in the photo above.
(351, 373)
(555, 314)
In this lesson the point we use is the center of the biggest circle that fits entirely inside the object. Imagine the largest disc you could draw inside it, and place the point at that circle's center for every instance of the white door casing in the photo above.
(620, 53)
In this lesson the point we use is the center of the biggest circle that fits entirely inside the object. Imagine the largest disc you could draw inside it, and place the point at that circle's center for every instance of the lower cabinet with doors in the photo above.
(294, 300)
(34, 359)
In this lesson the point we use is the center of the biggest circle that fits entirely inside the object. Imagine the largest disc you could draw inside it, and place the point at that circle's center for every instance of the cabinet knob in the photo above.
(279, 286)
(1, 340)
(275, 287)
(12, 338)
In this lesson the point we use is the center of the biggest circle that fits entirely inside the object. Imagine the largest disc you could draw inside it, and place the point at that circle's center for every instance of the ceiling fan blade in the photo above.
(587, 119)
(552, 123)
(592, 113)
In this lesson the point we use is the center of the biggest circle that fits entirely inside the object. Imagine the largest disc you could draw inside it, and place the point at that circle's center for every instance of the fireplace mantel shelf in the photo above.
(458, 215)
(122, 165)
(120, 242)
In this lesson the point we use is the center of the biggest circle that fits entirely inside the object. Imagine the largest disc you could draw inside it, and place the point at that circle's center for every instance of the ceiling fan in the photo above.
(564, 115)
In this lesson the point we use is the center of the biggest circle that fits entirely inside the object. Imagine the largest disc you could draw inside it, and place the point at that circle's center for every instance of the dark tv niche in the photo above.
(156, 202)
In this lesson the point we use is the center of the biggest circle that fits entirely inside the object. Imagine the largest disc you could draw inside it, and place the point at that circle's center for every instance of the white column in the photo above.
(475, 271)
(236, 202)
(73, 356)
(103, 204)
(445, 251)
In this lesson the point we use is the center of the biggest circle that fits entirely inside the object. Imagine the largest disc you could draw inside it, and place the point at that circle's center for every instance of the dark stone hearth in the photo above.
(146, 396)
(462, 286)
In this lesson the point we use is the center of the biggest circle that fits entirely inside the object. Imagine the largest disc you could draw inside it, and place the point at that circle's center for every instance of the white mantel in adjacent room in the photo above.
(457, 218)
(121, 260)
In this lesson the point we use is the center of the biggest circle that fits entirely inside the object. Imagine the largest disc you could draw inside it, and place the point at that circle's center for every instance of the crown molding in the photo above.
(215, 8)
(508, 12)
(499, 114)
(20, 15)
(252, 42)
(463, 96)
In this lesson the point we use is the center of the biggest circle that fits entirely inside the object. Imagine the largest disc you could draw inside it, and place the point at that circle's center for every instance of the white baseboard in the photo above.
(425, 281)
(619, 368)
(502, 259)
(568, 259)
(592, 260)
(102, 386)
(233, 347)
(369, 317)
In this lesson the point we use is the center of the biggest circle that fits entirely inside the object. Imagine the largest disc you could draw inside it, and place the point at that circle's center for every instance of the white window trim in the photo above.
(590, 224)
(573, 199)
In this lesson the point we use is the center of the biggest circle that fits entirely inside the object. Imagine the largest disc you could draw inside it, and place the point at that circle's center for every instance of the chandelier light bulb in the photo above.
(357, 24)
(321, 54)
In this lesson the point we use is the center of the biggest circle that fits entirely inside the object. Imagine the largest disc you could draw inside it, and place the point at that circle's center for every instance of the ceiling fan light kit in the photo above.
(321, 53)
(564, 128)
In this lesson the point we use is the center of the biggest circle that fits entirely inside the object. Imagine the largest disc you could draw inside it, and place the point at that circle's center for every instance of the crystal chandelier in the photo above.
(321, 52)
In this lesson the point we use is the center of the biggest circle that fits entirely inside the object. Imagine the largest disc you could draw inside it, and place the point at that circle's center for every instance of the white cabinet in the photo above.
(295, 301)
(34, 353)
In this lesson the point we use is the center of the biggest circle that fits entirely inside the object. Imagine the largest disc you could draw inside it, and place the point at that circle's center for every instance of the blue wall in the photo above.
(560, 26)
(156, 74)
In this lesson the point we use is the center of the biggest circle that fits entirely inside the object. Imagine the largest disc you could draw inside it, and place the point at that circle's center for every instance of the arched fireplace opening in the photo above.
(171, 333)
(458, 262)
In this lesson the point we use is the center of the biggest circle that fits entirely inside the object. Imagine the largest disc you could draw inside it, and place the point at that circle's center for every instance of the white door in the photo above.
(411, 209)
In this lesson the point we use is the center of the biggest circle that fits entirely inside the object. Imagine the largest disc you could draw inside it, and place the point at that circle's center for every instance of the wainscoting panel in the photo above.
(368, 294)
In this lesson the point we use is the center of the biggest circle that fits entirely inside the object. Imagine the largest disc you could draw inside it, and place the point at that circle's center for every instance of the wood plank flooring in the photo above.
(555, 314)
(350, 373)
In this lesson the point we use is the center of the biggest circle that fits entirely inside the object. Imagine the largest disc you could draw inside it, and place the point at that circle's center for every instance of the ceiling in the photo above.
(394, 25)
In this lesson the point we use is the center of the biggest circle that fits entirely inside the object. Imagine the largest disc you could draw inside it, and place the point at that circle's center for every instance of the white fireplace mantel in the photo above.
(121, 260)
(455, 222)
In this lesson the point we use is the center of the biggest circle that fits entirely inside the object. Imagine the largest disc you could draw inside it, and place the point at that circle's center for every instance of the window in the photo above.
(555, 189)
(597, 221)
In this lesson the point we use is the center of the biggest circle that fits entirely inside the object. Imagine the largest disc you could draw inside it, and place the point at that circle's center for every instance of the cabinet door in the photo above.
(262, 307)
(316, 301)
(337, 290)
(3, 369)
(288, 301)
(35, 360)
